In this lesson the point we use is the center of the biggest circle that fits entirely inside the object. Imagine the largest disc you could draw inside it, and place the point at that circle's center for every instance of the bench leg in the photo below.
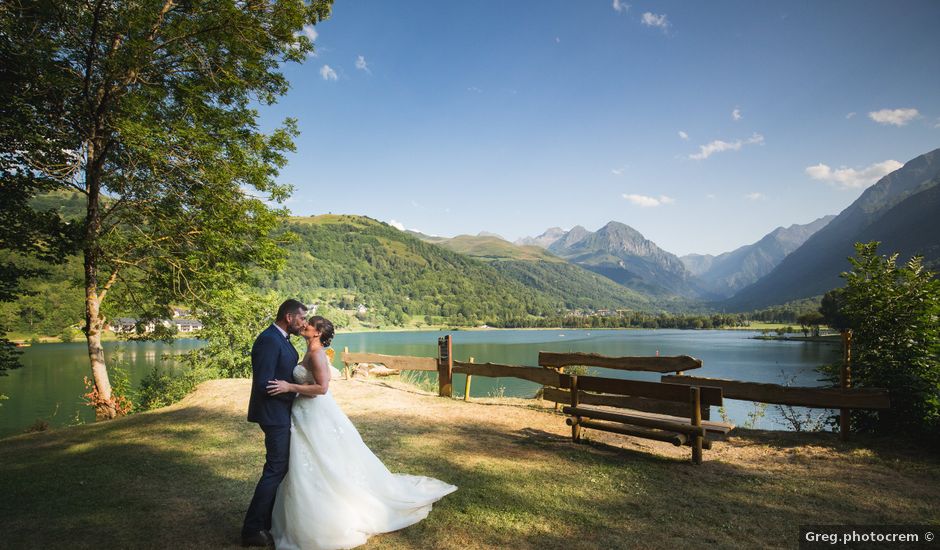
(695, 400)
(576, 429)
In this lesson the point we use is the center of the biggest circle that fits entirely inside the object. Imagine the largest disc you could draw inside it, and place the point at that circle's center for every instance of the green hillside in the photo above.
(494, 249)
(344, 261)
(534, 267)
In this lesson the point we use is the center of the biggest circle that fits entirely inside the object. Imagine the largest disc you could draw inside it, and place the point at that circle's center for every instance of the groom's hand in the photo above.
(277, 387)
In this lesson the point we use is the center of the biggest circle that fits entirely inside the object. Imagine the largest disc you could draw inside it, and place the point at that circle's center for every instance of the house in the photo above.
(122, 324)
(361, 309)
(187, 325)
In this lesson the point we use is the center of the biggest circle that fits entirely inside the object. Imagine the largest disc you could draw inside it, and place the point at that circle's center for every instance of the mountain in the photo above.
(572, 237)
(899, 210)
(487, 247)
(344, 259)
(622, 254)
(534, 267)
(544, 240)
(727, 273)
(488, 234)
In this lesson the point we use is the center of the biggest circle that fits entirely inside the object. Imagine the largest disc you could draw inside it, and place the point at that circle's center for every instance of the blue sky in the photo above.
(703, 125)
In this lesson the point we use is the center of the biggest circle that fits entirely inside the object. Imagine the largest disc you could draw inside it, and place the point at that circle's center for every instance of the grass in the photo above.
(182, 476)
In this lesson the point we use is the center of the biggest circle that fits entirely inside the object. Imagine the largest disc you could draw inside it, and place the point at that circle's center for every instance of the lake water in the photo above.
(49, 386)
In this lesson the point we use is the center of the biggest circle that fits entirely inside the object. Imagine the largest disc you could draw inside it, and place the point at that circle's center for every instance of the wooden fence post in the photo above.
(445, 366)
(845, 382)
(575, 420)
(345, 365)
(466, 389)
(695, 397)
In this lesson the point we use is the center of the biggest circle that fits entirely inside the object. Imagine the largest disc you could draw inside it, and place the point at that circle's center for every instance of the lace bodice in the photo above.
(303, 376)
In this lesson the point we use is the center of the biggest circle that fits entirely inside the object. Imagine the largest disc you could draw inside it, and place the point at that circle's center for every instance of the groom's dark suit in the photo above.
(272, 357)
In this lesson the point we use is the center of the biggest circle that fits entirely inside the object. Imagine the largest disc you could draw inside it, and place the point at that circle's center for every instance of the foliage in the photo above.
(232, 319)
(147, 110)
(831, 310)
(344, 261)
(789, 312)
(120, 403)
(69, 334)
(894, 314)
(161, 387)
(801, 419)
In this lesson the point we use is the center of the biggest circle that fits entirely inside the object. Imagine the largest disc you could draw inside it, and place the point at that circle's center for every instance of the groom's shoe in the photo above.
(259, 538)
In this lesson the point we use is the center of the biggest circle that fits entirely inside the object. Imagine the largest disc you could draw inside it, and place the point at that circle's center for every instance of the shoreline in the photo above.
(23, 342)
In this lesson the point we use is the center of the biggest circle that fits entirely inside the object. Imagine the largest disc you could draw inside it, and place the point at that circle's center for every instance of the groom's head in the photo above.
(291, 316)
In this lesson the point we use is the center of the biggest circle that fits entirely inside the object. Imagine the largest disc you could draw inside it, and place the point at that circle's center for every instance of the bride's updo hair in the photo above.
(325, 328)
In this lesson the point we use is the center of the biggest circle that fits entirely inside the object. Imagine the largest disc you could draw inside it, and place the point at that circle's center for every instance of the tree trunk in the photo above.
(104, 409)
(94, 323)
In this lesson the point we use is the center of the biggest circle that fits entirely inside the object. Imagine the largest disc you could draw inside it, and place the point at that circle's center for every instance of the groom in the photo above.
(272, 358)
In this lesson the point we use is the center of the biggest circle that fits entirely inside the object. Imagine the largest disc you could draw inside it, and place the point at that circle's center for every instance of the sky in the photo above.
(703, 125)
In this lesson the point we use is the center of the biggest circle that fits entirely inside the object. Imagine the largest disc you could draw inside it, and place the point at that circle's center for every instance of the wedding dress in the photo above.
(337, 493)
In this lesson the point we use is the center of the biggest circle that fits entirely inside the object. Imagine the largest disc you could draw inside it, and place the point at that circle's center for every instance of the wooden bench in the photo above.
(688, 429)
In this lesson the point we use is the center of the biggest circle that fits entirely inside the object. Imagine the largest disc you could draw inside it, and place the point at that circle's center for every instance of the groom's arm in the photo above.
(264, 359)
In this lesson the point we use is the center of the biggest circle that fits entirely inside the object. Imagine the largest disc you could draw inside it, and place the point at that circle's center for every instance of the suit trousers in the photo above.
(277, 453)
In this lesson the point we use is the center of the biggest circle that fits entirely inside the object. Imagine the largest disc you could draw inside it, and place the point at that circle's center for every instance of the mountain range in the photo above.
(902, 211)
(727, 273)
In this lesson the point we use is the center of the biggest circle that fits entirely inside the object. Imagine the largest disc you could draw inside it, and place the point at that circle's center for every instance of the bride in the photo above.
(337, 493)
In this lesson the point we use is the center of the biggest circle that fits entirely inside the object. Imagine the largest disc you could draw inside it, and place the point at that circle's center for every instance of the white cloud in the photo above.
(328, 73)
(850, 115)
(557, 40)
(736, 114)
(616, 171)
(620, 7)
(397, 225)
(644, 201)
(652, 20)
(850, 178)
(475, 90)
(754, 196)
(937, 124)
(362, 65)
(710, 196)
(684, 136)
(896, 117)
(719, 146)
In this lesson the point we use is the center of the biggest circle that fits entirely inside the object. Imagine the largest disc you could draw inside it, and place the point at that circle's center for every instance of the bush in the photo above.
(161, 388)
(894, 315)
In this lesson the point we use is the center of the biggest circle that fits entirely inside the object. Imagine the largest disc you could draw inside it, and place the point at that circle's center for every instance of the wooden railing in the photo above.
(827, 398)
(610, 392)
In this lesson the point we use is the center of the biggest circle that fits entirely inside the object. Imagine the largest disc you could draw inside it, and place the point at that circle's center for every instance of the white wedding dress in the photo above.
(337, 493)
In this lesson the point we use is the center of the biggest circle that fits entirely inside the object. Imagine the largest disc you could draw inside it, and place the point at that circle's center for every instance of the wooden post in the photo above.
(845, 382)
(695, 398)
(345, 365)
(445, 366)
(560, 371)
(576, 420)
(466, 389)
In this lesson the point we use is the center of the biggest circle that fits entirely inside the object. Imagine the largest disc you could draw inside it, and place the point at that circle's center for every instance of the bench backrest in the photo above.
(638, 388)
(645, 363)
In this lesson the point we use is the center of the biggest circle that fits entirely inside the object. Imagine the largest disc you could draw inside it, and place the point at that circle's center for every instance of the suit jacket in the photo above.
(272, 356)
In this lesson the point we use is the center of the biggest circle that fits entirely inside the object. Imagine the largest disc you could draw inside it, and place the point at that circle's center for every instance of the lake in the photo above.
(49, 386)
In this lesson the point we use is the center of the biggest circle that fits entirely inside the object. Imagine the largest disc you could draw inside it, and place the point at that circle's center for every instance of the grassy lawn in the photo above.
(181, 477)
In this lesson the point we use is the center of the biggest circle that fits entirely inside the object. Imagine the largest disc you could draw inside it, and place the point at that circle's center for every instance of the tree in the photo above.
(146, 110)
(813, 319)
(894, 315)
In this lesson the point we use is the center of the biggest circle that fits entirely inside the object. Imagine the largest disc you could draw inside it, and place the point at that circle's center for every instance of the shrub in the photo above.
(894, 315)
